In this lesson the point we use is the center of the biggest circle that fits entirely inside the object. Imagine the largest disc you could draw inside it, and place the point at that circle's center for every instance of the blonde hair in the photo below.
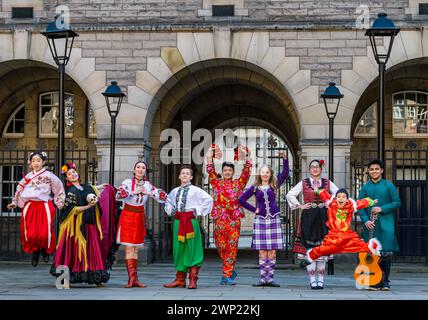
(272, 180)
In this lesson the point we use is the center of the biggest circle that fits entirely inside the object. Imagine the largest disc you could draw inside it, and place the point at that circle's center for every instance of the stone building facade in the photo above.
(178, 60)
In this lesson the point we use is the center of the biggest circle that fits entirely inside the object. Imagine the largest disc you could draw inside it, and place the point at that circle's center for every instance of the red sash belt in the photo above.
(185, 229)
(136, 209)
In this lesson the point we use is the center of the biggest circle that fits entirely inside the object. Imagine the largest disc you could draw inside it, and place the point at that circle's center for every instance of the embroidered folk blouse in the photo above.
(124, 192)
(189, 198)
(38, 186)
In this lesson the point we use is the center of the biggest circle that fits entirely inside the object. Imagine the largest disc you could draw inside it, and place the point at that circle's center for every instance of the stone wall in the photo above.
(194, 11)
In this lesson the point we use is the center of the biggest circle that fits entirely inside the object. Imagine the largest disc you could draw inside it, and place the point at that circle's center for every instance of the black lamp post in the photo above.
(60, 41)
(382, 28)
(114, 97)
(330, 96)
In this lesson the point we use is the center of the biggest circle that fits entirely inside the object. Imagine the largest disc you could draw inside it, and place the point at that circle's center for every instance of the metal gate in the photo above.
(408, 171)
(13, 164)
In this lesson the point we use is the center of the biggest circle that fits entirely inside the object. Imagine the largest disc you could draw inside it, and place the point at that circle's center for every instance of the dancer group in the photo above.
(90, 231)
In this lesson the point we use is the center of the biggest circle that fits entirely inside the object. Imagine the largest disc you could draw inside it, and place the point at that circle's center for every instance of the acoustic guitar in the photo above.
(368, 271)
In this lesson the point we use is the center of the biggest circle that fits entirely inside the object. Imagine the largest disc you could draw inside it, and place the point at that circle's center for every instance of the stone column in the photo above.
(318, 149)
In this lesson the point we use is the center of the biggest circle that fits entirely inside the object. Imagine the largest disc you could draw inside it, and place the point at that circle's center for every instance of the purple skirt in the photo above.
(267, 233)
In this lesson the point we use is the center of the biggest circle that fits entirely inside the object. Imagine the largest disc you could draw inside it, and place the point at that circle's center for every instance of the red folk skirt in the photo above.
(132, 226)
(37, 226)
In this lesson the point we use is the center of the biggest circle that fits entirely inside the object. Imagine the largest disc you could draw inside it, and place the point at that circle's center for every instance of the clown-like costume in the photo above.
(227, 215)
(33, 195)
(340, 238)
(186, 203)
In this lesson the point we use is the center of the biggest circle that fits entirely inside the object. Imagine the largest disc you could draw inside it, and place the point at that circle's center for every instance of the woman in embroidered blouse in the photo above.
(267, 231)
(33, 195)
(132, 223)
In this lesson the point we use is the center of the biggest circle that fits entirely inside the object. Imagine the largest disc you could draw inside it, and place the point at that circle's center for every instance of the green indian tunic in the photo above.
(388, 200)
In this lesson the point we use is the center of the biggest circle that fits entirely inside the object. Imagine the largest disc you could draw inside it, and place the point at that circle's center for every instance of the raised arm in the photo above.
(325, 196)
(364, 203)
(284, 173)
(245, 174)
(243, 199)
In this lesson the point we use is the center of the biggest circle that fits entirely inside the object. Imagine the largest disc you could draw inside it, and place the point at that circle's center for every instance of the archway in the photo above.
(217, 94)
(28, 122)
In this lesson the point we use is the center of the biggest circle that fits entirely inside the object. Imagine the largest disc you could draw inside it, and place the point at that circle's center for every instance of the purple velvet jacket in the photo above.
(265, 199)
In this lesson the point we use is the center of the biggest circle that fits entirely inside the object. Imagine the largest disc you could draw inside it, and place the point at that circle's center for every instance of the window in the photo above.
(366, 127)
(409, 114)
(92, 125)
(14, 127)
(223, 11)
(9, 176)
(49, 115)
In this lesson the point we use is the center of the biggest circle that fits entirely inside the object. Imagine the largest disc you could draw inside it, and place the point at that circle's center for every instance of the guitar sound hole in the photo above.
(369, 259)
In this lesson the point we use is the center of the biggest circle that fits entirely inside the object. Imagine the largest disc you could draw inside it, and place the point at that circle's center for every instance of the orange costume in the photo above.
(340, 238)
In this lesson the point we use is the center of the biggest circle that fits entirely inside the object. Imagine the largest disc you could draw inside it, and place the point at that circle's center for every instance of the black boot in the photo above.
(35, 260)
(45, 256)
(385, 265)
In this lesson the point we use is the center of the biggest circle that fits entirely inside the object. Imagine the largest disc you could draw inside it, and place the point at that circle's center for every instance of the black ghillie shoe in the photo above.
(260, 284)
(35, 259)
(272, 284)
(45, 256)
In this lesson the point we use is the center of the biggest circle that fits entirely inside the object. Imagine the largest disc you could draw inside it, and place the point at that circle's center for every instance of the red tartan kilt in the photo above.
(132, 226)
(37, 226)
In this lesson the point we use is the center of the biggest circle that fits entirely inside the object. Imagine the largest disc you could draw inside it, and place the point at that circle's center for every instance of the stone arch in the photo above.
(194, 51)
(23, 48)
(409, 46)
(408, 75)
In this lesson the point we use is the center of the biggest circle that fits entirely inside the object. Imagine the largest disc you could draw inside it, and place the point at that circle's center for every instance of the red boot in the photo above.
(131, 266)
(193, 276)
(179, 281)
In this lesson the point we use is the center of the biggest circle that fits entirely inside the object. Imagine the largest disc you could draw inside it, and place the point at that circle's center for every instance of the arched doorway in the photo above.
(212, 95)
(406, 142)
(28, 122)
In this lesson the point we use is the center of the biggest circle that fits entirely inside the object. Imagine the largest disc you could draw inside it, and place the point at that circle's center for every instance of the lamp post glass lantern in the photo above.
(60, 40)
(383, 29)
(114, 97)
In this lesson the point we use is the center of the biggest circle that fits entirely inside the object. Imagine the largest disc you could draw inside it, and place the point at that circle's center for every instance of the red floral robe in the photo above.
(227, 214)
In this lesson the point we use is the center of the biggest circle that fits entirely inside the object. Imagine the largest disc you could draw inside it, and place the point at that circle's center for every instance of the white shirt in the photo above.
(297, 190)
(124, 193)
(195, 199)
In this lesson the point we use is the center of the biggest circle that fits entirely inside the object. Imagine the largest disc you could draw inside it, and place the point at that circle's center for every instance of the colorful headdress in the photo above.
(43, 155)
(320, 162)
(68, 166)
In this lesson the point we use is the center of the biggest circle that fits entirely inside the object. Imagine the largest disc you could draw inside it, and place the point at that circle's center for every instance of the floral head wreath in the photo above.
(41, 154)
(320, 162)
(67, 166)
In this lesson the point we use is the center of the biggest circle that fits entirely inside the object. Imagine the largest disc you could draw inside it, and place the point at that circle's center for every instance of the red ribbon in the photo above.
(185, 229)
